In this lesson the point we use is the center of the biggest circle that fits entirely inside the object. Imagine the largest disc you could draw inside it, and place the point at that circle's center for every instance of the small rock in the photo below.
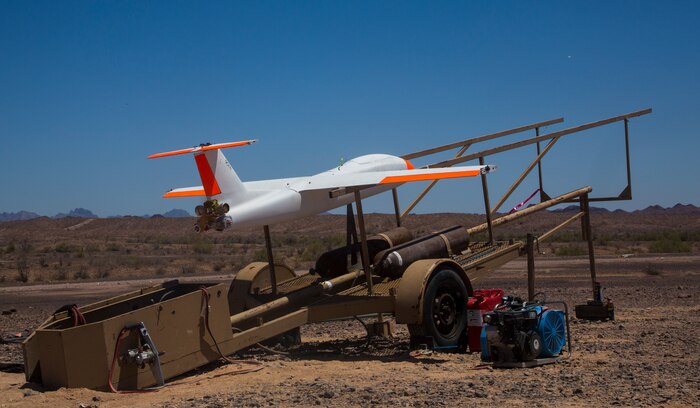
(328, 394)
(578, 391)
(29, 392)
(96, 398)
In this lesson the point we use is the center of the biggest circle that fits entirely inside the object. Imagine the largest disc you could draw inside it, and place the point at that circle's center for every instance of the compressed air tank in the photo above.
(393, 262)
(335, 262)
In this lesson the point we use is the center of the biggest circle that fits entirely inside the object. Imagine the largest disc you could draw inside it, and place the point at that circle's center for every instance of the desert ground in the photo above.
(647, 356)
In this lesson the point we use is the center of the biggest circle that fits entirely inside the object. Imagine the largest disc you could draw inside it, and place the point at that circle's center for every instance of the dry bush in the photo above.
(22, 270)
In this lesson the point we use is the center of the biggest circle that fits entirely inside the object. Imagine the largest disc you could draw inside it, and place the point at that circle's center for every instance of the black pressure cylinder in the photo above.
(394, 261)
(334, 263)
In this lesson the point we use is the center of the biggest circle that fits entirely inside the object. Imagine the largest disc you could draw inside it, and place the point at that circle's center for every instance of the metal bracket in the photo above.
(152, 356)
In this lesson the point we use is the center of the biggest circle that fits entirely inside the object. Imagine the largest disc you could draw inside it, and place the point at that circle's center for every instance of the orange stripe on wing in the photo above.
(189, 193)
(211, 187)
(434, 176)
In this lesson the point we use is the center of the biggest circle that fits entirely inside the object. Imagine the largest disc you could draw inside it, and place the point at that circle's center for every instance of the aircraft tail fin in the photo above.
(218, 177)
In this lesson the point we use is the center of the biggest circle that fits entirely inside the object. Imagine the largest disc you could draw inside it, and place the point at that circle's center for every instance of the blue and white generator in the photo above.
(518, 334)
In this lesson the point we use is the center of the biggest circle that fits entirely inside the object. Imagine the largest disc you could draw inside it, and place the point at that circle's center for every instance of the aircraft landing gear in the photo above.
(212, 215)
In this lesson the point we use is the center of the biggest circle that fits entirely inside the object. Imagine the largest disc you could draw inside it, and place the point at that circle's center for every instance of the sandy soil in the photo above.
(647, 357)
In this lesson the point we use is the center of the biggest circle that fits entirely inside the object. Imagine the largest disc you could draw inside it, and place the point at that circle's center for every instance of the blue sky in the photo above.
(89, 89)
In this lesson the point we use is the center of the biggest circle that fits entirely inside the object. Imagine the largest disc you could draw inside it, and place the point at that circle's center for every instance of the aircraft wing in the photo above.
(330, 181)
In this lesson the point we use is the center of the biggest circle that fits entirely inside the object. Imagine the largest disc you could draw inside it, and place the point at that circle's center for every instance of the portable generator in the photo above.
(524, 334)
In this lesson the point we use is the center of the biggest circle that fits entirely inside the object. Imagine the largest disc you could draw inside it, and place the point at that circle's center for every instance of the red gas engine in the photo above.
(483, 301)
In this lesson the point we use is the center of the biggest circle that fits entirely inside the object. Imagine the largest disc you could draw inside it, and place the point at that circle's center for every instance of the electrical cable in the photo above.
(206, 296)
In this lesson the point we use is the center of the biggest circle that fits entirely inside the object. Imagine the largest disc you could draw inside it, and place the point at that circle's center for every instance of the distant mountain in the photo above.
(176, 213)
(18, 216)
(678, 209)
(685, 209)
(77, 213)
(576, 208)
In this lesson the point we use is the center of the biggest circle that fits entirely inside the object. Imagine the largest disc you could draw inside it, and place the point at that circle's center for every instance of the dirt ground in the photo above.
(648, 356)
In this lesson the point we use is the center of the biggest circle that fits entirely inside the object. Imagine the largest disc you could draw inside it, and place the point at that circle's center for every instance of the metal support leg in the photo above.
(363, 241)
(539, 166)
(487, 203)
(351, 235)
(530, 267)
(395, 195)
(270, 260)
(628, 190)
(586, 221)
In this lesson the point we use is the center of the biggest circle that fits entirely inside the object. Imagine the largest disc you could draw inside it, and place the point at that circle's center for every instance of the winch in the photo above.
(524, 334)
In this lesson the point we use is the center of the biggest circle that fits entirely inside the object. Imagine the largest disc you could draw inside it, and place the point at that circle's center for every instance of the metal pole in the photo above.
(487, 204)
(397, 212)
(270, 260)
(351, 235)
(589, 237)
(627, 152)
(530, 267)
(363, 242)
(539, 165)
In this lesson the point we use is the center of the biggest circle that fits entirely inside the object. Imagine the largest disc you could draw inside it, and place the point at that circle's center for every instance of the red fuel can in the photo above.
(483, 301)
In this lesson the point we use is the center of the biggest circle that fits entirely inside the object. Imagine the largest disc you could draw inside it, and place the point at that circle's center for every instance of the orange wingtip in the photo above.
(202, 148)
(188, 193)
(422, 177)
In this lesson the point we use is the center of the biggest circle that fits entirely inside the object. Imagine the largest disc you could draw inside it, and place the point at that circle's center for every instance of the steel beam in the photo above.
(483, 138)
(511, 146)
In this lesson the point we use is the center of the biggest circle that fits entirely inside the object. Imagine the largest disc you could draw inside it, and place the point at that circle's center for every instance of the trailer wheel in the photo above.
(444, 310)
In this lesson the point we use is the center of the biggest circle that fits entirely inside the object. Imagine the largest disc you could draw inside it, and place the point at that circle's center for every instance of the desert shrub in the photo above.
(22, 270)
(218, 266)
(92, 248)
(113, 247)
(10, 248)
(313, 249)
(131, 261)
(188, 269)
(65, 248)
(61, 275)
(570, 250)
(670, 245)
(81, 274)
(202, 246)
(25, 246)
(102, 273)
(260, 255)
(160, 271)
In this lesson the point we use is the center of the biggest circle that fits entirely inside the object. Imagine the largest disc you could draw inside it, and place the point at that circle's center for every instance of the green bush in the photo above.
(670, 245)
(202, 246)
(313, 249)
(571, 250)
(67, 248)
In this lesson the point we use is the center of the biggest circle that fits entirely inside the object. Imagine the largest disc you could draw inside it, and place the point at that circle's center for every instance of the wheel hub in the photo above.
(444, 311)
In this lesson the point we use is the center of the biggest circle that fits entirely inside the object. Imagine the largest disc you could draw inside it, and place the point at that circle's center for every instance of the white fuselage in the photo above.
(272, 201)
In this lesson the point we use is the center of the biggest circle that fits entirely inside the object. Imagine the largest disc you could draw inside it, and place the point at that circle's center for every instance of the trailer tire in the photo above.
(444, 310)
